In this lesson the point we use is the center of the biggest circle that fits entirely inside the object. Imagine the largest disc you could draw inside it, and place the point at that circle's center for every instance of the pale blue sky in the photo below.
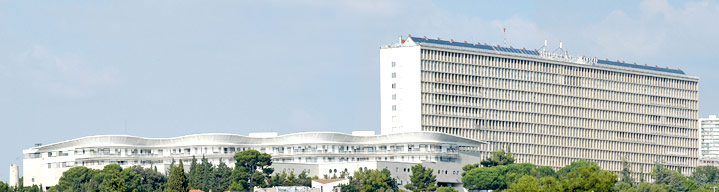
(169, 68)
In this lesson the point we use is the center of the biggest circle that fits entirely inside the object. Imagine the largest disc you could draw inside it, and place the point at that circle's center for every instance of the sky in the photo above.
(169, 68)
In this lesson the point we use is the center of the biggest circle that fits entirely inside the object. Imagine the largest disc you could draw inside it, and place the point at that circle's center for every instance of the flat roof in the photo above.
(536, 53)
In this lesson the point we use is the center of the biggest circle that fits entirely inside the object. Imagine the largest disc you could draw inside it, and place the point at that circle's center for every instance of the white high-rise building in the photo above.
(548, 108)
(709, 143)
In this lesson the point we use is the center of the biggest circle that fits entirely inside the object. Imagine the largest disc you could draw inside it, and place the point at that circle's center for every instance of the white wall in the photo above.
(407, 117)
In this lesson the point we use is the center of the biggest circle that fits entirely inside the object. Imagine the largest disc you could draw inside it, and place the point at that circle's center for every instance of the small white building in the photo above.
(328, 185)
(14, 176)
(709, 139)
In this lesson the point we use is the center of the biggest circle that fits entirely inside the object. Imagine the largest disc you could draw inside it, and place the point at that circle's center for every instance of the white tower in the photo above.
(14, 176)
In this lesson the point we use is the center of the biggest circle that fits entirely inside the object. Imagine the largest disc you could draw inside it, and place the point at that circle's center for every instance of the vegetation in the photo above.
(498, 157)
(421, 179)
(446, 189)
(111, 178)
(252, 169)
(366, 180)
(5, 187)
(177, 182)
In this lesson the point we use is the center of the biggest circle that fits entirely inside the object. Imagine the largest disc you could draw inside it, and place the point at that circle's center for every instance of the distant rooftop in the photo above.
(536, 53)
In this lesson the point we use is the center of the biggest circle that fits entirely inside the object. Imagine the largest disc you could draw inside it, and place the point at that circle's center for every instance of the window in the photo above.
(394, 75)
(394, 107)
(394, 96)
(394, 64)
(394, 85)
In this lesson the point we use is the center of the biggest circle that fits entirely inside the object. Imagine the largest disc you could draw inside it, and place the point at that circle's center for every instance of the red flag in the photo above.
(505, 30)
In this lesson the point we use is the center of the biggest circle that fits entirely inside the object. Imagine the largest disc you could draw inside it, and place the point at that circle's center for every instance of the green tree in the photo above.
(291, 180)
(626, 173)
(366, 180)
(74, 178)
(223, 177)
(177, 182)
(545, 171)
(149, 179)
(650, 187)
(251, 169)
(421, 179)
(193, 175)
(706, 175)
(4, 187)
(574, 166)
(498, 157)
(484, 178)
(446, 189)
(278, 179)
(672, 178)
(588, 178)
(116, 184)
(303, 179)
(468, 167)
(550, 183)
(526, 183)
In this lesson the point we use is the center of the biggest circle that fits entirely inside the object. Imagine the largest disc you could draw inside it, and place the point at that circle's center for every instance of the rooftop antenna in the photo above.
(505, 37)
(544, 48)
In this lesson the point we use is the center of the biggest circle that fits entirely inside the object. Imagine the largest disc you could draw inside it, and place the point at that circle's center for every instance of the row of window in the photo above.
(553, 79)
(470, 83)
(546, 103)
(468, 118)
(525, 111)
(633, 145)
(578, 70)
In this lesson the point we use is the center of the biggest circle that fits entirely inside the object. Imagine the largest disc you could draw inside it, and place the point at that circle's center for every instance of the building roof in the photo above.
(325, 181)
(234, 139)
(536, 53)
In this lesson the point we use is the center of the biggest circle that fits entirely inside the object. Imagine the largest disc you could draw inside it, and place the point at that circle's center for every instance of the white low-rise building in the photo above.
(329, 185)
(317, 153)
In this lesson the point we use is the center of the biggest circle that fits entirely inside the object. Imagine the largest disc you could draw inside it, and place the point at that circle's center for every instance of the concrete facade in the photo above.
(317, 154)
(547, 108)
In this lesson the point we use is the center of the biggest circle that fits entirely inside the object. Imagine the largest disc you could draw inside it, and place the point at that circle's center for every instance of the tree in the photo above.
(626, 173)
(706, 175)
(484, 178)
(192, 175)
(303, 179)
(278, 179)
(4, 187)
(421, 179)
(149, 179)
(74, 178)
(498, 157)
(588, 178)
(446, 189)
(223, 177)
(256, 165)
(370, 180)
(526, 183)
(117, 184)
(675, 180)
(574, 166)
(177, 182)
(545, 171)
